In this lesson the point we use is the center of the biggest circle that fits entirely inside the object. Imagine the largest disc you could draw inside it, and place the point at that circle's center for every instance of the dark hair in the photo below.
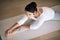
(31, 7)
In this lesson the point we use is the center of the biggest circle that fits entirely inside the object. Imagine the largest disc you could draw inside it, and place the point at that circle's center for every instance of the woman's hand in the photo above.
(8, 32)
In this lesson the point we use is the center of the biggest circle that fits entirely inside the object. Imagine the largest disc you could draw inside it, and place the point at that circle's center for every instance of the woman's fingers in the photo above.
(7, 32)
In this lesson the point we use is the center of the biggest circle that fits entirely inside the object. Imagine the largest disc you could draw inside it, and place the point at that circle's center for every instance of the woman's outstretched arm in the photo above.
(12, 28)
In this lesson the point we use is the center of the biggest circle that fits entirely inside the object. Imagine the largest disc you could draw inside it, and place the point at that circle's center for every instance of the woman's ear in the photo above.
(35, 13)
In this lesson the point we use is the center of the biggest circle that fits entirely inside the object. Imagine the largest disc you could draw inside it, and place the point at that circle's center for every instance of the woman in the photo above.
(36, 15)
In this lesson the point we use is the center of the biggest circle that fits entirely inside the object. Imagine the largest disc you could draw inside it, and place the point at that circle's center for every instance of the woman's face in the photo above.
(30, 15)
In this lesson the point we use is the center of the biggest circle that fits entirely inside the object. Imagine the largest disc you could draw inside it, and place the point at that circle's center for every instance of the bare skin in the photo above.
(17, 26)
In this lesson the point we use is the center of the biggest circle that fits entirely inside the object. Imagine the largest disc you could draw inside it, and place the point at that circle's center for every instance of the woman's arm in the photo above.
(17, 25)
(11, 29)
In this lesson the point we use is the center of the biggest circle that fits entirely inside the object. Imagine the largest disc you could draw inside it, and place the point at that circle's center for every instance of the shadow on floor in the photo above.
(0, 38)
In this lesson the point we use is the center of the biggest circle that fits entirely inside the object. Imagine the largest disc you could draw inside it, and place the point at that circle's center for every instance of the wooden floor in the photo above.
(11, 8)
